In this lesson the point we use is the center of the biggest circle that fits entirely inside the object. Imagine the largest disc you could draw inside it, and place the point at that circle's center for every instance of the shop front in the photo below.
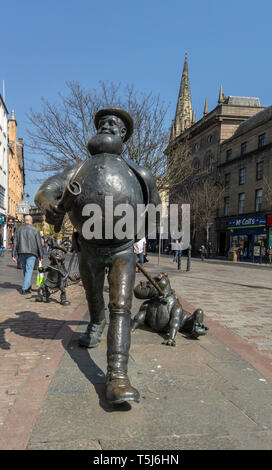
(269, 229)
(249, 237)
(11, 223)
(3, 229)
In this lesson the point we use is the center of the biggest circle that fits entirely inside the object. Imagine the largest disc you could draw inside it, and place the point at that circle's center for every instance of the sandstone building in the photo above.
(3, 170)
(235, 140)
(16, 174)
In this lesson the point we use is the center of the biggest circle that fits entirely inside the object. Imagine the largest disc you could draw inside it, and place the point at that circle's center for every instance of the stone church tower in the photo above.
(184, 114)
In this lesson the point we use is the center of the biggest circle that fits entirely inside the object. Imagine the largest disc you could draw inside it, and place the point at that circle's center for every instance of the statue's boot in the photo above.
(118, 387)
(92, 336)
(93, 333)
(193, 324)
(63, 300)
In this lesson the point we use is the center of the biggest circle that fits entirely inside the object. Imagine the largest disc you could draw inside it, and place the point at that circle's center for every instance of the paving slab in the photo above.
(184, 402)
(209, 393)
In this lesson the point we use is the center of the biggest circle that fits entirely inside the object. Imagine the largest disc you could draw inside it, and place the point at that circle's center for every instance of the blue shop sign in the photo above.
(247, 222)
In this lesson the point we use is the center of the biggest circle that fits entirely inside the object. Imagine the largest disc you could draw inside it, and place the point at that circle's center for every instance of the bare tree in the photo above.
(59, 133)
(204, 193)
(209, 194)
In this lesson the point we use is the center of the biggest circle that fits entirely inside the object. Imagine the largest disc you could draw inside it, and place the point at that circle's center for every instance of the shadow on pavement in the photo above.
(30, 325)
(10, 285)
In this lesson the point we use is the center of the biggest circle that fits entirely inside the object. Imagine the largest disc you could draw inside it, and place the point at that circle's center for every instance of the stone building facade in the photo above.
(3, 170)
(16, 167)
(16, 180)
(235, 134)
(245, 169)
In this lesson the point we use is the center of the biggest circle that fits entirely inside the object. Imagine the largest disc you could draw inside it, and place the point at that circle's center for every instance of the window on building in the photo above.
(259, 170)
(227, 180)
(208, 162)
(210, 138)
(229, 155)
(242, 176)
(196, 164)
(241, 203)
(2, 197)
(261, 141)
(197, 146)
(258, 200)
(226, 205)
(243, 148)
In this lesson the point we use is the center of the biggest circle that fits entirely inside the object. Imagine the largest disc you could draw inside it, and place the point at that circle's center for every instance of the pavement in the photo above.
(211, 393)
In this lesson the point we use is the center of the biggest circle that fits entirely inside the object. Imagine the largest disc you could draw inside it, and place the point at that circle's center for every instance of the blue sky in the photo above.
(143, 42)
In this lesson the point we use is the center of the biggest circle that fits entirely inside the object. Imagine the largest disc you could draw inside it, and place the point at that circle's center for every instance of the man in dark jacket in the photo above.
(27, 246)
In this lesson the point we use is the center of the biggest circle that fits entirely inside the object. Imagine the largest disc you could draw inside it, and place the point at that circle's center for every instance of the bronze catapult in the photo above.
(162, 310)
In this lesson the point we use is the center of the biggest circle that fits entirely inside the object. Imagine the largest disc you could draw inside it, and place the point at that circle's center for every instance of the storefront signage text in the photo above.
(245, 222)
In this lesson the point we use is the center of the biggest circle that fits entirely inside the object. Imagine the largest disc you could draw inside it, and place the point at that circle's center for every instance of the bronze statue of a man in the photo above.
(74, 190)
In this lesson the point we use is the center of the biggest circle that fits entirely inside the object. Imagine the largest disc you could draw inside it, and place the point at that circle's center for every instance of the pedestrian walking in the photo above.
(140, 251)
(43, 244)
(240, 253)
(175, 248)
(269, 253)
(27, 247)
(203, 251)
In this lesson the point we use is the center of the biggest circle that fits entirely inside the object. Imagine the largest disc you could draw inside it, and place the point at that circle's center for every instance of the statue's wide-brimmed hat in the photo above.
(121, 113)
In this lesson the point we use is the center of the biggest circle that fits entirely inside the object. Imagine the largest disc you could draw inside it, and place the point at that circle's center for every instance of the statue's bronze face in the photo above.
(111, 132)
(112, 125)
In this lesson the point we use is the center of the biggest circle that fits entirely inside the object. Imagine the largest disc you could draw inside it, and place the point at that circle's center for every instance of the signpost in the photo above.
(23, 208)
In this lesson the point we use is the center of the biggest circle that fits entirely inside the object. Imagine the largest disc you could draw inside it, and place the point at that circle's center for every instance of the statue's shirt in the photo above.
(106, 175)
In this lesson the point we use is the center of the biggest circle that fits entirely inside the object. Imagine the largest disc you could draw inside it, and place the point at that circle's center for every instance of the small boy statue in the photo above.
(56, 276)
(163, 312)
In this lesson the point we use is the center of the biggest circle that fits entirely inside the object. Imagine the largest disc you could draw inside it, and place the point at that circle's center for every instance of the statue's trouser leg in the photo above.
(92, 273)
(121, 282)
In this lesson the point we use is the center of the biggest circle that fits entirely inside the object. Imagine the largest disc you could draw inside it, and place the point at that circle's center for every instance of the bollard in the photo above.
(179, 259)
(189, 259)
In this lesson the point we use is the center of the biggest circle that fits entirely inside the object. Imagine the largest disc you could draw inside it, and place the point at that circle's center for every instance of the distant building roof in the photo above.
(254, 121)
(242, 101)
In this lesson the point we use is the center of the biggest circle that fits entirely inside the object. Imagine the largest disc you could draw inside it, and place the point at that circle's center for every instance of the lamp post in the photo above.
(189, 258)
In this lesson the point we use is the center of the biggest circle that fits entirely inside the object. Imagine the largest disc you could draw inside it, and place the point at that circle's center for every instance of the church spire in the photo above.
(206, 107)
(183, 116)
(221, 96)
(193, 117)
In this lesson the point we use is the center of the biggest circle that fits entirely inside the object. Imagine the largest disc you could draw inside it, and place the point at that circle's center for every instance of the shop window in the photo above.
(258, 200)
(242, 176)
(227, 180)
(229, 155)
(259, 170)
(241, 203)
(261, 141)
(243, 148)
(226, 205)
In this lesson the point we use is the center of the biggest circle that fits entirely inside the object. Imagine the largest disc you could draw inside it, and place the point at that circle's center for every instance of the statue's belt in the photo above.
(103, 249)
